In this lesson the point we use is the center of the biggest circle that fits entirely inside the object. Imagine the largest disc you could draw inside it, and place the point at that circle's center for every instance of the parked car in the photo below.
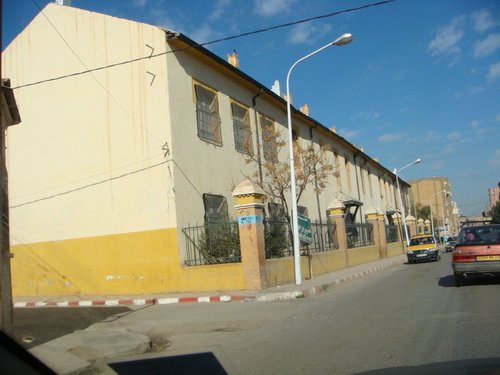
(477, 252)
(421, 248)
(450, 244)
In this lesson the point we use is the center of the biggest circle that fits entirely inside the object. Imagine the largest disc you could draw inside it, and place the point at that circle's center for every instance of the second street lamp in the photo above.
(396, 171)
(340, 41)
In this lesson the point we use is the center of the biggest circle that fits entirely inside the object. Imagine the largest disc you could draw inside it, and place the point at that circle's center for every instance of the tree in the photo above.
(423, 212)
(494, 213)
(312, 168)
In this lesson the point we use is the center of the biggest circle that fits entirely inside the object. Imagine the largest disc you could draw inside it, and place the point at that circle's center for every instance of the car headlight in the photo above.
(410, 252)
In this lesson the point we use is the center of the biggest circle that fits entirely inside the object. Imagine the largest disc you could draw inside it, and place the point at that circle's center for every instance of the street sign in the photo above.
(305, 233)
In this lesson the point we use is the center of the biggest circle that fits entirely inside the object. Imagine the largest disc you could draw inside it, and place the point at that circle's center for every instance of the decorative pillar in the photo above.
(249, 207)
(420, 226)
(410, 220)
(336, 215)
(378, 231)
(427, 226)
(383, 235)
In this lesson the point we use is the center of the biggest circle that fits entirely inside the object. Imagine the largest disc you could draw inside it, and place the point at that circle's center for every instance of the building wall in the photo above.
(107, 168)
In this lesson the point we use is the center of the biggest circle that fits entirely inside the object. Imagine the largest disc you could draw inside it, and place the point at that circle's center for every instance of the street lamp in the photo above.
(340, 41)
(396, 171)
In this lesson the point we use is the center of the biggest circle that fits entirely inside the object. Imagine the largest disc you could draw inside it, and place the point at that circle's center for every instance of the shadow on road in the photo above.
(35, 326)
(486, 366)
(449, 281)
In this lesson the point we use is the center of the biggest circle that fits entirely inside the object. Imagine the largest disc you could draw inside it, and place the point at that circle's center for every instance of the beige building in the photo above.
(436, 192)
(494, 197)
(133, 138)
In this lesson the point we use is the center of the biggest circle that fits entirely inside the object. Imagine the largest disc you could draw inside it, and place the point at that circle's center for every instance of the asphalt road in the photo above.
(35, 326)
(407, 319)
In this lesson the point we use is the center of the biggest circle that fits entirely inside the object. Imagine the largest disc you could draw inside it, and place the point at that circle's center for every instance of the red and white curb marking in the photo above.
(134, 302)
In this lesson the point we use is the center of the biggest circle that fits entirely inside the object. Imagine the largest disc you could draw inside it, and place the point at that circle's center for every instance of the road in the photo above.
(35, 326)
(408, 315)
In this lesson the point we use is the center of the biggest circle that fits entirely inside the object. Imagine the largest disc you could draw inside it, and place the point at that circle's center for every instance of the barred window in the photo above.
(207, 115)
(215, 208)
(241, 128)
(268, 139)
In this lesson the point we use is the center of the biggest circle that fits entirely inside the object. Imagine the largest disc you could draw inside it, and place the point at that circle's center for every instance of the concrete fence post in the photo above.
(250, 213)
(336, 215)
(383, 234)
(412, 224)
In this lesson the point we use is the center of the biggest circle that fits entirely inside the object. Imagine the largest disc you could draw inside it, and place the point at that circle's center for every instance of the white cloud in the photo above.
(474, 124)
(436, 166)
(454, 136)
(447, 38)
(203, 34)
(269, 8)
(390, 137)
(497, 117)
(219, 8)
(482, 20)
(495, 161)
(140, 3)
(494, 72)
(348, 134)
(308, 33)
(370, 115)
(432, 136)
(487, 46)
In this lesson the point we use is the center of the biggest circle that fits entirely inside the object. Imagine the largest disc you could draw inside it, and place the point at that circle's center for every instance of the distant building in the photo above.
(494, 197)
(436, 192)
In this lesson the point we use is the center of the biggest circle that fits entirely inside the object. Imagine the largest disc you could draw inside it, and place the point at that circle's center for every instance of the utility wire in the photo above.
(111, 179)
(362, 7)
(91, 185)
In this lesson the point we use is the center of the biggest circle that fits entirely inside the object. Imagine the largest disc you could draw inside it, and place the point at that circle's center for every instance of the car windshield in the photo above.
(479, 234)
(422, 241)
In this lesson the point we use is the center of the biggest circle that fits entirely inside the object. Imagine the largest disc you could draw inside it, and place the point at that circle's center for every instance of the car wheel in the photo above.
(459, 279)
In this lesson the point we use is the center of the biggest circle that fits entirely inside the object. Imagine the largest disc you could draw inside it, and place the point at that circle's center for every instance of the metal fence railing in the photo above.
(324, 237)
(359, 235)
(279, 241)
(391, 233)
(212, 244)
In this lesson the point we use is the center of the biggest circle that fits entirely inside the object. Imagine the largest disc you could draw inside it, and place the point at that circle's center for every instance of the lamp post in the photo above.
(340, 41)
(400, 200)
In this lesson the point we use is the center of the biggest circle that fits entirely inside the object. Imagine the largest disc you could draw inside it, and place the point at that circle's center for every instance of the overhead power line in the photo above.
(254, 32)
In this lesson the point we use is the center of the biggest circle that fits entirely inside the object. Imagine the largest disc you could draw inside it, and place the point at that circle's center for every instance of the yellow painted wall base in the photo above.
(147, 263)
(131, 263)
(394, 248)
(360, 255)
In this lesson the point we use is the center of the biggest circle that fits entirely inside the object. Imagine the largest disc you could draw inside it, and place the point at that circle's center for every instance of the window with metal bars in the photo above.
(207, 115)
(269, 146)
(215, 208)
(241, 129)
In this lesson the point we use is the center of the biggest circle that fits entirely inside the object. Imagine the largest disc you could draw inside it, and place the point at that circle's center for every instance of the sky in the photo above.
(421, 78)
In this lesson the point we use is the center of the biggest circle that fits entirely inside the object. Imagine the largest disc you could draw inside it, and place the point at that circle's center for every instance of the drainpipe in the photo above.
(254, 98)
(316, 182)
(357, 185)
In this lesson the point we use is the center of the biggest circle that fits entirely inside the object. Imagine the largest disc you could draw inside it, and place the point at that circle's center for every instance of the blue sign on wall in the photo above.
(251, 219)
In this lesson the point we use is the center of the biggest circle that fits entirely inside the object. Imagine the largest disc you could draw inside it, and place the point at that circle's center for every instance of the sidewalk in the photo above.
(87, 351)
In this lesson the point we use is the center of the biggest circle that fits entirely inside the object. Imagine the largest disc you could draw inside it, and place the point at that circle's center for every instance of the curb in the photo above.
(257, 297)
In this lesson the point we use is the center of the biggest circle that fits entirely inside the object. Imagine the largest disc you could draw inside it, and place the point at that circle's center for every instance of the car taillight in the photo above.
(459, 257)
